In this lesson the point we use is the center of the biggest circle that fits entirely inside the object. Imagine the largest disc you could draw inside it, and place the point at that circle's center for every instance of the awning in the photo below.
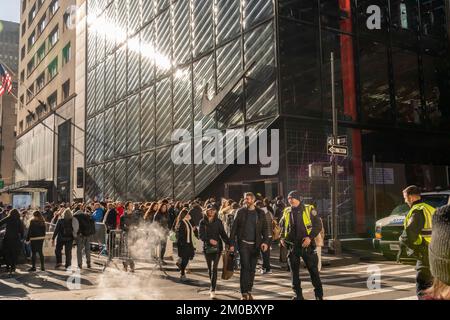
(28, 186)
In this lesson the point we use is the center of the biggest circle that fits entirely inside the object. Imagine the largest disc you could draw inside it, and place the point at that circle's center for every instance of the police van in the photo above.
(389, 229)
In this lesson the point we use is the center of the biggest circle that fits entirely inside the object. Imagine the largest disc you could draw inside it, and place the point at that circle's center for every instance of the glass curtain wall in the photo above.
(149, 62)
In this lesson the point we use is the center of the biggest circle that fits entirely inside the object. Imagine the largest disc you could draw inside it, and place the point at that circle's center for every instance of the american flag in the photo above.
(5, 81)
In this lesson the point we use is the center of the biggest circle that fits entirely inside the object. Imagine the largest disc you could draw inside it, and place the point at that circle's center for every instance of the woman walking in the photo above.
(161, 218)
(12, 240)
(186, 238)
(36, 237)
(65, 232)
(212, 233)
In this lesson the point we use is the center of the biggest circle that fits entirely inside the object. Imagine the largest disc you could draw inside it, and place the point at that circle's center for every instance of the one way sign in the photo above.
(338, 150)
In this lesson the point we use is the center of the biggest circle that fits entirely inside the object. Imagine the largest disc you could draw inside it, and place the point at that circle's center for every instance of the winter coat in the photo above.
(110, 219)
(14, 229)
(185, 243)
(59, 230)
(213, 230)
(238, 229)
(36, 231)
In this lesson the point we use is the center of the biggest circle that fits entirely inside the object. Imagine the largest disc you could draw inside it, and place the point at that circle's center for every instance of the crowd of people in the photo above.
(249, 228)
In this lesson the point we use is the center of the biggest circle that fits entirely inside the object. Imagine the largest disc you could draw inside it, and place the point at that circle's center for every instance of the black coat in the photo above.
(111, 219)
(238, 229)
(213, 230)
(162, 219)
(37, 229)
(14, 229)
(197, 214)
(185, 250)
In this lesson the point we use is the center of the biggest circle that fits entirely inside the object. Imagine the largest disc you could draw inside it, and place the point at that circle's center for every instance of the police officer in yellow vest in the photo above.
(417, 235)
(299, 226)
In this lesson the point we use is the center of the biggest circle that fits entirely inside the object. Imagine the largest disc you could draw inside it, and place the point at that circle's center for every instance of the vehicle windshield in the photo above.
(436, 200)
(400, 210)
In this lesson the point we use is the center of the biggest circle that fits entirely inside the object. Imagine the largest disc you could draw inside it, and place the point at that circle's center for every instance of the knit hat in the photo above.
(439, 249)
(295, 195)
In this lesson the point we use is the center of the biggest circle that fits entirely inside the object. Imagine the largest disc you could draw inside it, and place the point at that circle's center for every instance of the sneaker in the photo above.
(319, 298)
(58, 266)
(42, 268)
(212, 294)
(80, 266)
(244, 296)
(32, 269)
(183, 277)
(266, 271)
(298, 297)
(250, 297)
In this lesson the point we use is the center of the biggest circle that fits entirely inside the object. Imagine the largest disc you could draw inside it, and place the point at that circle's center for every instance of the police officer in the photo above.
(299, 226)
(417, 235)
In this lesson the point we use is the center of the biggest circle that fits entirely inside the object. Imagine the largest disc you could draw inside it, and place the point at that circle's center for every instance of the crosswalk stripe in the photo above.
(364, 293)
(408, 298)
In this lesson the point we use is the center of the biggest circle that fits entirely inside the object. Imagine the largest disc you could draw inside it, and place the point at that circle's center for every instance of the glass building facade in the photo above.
(149, 62)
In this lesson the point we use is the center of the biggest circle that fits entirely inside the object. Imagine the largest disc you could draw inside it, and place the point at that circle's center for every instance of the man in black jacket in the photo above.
(251, 234)
(299, 226)
(83, 239)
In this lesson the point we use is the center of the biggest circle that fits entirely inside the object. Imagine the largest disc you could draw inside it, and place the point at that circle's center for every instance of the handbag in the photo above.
(173, 236)
(211, 249)
(276, 231)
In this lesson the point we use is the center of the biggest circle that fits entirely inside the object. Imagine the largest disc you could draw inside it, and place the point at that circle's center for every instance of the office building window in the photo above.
(66, 53)
(21, 102)
(22, 76)
(32, 15)
(52, 100)
(22, 53)
(40, 82)
(24, 28)
(30, 66)
(42, 24)
(53, 69)
(31, 41)
(54, 6)
(53, 38)
(30, 93)
(20, 126)
(40, 3)
(41, 53)
(24, 5)
(66, 90)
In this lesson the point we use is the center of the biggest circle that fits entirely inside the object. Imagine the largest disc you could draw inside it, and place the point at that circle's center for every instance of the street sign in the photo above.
(341, 140)
(338, 150)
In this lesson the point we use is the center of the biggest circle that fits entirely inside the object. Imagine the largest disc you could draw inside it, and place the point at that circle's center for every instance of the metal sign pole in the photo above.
(334, 185)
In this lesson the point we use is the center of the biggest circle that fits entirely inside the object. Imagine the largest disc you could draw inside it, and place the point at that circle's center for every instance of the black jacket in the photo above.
(213, 230)
(128, 221)
(36, 229)
(14, 228)
(292, 230)
(59, 230)
(162, 219)
(196, 214)
(111, 219)
(185, 249)
(238, 229)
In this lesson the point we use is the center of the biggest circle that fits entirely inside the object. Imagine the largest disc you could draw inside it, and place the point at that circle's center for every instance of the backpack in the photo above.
(67, 229)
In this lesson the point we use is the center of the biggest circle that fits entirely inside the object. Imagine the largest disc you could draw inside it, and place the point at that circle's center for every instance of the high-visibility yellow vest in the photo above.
(306, 219)
(428, 211)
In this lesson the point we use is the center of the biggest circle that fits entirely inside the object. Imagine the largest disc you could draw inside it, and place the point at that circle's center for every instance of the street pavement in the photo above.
(354, 281)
